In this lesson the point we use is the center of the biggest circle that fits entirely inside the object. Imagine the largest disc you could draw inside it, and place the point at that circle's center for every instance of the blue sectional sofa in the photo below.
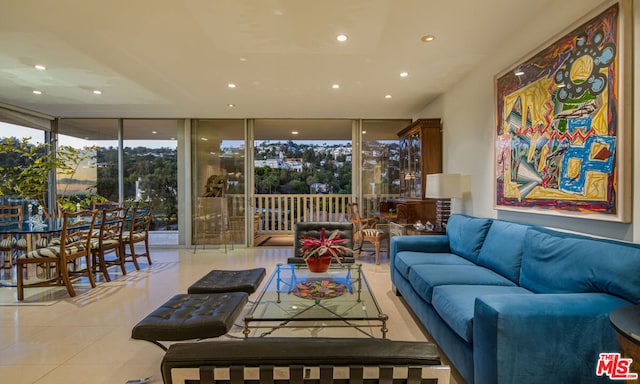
(517, 304)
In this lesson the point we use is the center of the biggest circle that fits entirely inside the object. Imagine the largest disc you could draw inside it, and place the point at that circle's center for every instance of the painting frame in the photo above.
(563, 121)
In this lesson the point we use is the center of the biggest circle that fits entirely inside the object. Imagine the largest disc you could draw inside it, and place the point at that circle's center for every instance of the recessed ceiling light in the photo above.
(427, 38)
(231, 85)
(335, 86)
(387, 96)
(342, 37)
(36, 92)
(231, 105)
(204, 139)
(154, 132)
(243, 59)
(294, 132)
(364, 132)
(97, 92)
(404, 74)
(40, 67)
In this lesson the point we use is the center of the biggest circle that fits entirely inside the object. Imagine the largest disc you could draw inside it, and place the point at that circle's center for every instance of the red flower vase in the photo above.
(319, 264)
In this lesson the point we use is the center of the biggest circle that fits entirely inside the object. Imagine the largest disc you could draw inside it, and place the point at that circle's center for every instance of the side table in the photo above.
(626, 321)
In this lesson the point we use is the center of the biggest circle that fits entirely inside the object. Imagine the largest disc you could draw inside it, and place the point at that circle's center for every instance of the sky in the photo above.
(37, 136)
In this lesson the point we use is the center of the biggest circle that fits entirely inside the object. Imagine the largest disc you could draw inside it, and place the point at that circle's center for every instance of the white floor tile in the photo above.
(86, 339)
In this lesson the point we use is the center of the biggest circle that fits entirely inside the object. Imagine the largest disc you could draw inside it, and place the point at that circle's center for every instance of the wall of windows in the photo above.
(93, 171)
(135, 160)
(20, 149)
(150, 159)
(218, 172)
(148, 163)
(380, 155)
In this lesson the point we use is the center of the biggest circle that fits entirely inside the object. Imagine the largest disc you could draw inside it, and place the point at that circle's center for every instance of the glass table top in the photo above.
(340, 297)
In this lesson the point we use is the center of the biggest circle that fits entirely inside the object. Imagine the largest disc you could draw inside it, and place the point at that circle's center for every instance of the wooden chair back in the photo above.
(10, 214)
(358, 222)
(109, 240)
(111, 225)
(140, 222)
(77, 232)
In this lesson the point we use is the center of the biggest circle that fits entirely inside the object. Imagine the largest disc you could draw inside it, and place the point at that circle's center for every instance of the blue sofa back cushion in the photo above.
(556, 264)
(466, 235)
(502, 249)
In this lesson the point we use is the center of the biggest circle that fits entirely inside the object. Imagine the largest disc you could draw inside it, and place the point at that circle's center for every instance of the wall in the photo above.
(467, 112)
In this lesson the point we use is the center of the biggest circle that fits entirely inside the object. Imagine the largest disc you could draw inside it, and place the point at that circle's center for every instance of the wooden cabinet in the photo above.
(420, 155)
(409, 211)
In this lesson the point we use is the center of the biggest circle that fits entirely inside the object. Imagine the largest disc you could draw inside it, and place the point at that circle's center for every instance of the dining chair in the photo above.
(73, 246)
(365, 231)
(138, 224)
(10, 218)
(108, 241)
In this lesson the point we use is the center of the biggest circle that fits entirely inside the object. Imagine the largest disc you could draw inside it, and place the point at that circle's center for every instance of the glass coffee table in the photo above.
(295, 298)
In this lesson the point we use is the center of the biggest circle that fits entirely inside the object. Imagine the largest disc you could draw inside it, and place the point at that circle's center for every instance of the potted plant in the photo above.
(318, 252)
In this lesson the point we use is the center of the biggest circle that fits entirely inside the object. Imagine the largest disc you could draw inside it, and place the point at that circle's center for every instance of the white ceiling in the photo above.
(174, 58)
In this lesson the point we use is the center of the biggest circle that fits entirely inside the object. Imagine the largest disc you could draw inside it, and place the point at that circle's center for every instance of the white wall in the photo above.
(467, 112)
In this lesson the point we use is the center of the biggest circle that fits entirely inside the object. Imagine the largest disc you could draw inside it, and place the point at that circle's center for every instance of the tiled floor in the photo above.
(53, 338)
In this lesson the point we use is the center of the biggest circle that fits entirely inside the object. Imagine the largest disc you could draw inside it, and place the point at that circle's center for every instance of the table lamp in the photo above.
(443, 187)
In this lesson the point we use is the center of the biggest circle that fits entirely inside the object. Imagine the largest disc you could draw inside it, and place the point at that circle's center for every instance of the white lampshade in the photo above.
(444, 186)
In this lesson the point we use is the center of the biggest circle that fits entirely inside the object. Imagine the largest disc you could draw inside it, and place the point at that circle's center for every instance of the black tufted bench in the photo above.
(218, 281)
(191, 316)
(365, 361)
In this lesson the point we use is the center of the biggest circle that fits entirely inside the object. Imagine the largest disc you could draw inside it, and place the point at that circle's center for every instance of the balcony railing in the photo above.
(278, 214)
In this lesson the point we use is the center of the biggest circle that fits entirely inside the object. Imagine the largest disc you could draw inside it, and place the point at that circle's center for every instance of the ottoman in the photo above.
(191, 316)
(334, 360)
(218, 281)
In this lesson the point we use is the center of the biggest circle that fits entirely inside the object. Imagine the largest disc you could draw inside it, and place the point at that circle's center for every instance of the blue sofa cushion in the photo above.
(425, 277)
(552, 264)
(455, 304)
(406, 259)
(466, 235)
(502, 248)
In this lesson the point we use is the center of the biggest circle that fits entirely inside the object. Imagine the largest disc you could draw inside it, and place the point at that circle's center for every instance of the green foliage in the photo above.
(25, 168)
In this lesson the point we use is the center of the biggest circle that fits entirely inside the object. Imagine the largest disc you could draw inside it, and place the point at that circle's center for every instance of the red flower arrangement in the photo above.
(331, 246)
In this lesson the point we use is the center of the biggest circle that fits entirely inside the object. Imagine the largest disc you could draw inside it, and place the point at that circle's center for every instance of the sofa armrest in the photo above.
(542, 337)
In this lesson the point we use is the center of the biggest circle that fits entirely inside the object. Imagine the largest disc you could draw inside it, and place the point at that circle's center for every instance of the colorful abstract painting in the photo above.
(559, 125)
